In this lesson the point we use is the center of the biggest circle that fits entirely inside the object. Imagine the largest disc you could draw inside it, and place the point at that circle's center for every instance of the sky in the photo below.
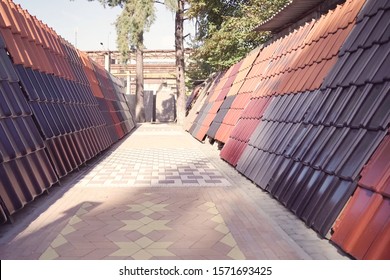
(87, 24)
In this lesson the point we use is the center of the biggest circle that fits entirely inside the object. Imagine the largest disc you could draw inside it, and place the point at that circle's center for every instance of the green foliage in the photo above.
(225, 32)
(136, 18)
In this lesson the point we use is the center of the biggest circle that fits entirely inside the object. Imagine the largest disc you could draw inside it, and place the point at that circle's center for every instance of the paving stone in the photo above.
(121, 210)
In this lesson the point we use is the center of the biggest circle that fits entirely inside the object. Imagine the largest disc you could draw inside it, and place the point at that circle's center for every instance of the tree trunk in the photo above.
(139, 77)
(180, 66)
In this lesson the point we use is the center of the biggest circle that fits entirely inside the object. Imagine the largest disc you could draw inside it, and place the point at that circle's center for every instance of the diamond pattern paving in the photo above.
(98, 214)
(178, 227)
(155, 167)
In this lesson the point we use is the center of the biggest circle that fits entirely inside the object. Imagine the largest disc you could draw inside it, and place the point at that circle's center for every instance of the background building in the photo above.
(159, 80)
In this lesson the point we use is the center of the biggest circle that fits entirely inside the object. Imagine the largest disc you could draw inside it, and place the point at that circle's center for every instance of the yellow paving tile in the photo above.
(135, 208)
(68, 229)
(222, 228)
(236, 254)
(126, 249)
(159, 207)
(74, 220)
(160, 245)
(147, 204)
(49, 254)
(142, 255)
(131, 225)
(127, 245)
(146, 229)
(146, 220)
(160, 252)
(86, 205)
(124, 252)
(218, 219)
(81, 212)
(144, 242)
(229, 240)
(160, 225)
(209, 204)
(60, 240)
(213, 210)
(154, 225)
(146, 212)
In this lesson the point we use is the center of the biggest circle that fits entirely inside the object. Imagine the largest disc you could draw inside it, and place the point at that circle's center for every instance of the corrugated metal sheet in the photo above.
(289, 14)
(239, 138)
(325, 90)
(363, 229)
(193, 114)
(216, 109)
(287, 154)
(210, 108)
(228, 114)
(25, 170)
(48, 108)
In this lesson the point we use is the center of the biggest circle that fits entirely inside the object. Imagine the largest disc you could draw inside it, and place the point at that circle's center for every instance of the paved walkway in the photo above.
(159, 194)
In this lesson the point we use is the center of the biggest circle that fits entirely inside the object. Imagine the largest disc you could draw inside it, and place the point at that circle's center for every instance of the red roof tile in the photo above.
(361, 222)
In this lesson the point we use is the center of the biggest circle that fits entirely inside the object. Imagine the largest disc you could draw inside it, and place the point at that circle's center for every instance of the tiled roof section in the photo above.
(53, 90)
(215, 113)
(214, 102)
(194, 95)
(288, 66)
(368, 46)
(31, 43)
(300, 61)
(322, 134)
(364, 227)
(239, 138)
(198, 95)
(203, 106)
(237, 103)
(25, 170)
(228, 116)
(309, 167)
(113, 105)
(376, 174)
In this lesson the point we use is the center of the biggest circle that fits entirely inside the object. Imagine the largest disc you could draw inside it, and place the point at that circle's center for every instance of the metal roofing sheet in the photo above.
(288, 15)
(25, 169)
(311, 144)
(64, 109)
(363, 223)
(376, 173)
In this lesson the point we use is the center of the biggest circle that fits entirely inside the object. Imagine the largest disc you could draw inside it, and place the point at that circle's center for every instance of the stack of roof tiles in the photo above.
(283, 154)
(319, 108)
(202, 121)
(51, 120)
(362, 74)
(199, 103)
(216, 114)
(233, 104)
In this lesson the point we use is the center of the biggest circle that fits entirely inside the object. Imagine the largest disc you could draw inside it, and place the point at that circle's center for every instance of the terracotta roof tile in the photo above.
(15, 27)
(327, 134)
(362, 223)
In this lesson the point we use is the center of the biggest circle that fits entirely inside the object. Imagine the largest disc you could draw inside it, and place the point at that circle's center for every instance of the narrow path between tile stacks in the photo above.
(159, 194)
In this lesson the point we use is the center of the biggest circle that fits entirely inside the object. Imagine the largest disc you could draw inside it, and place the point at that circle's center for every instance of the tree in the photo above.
(136, 18)
(225, 32)
(178, 7)
(180, 63)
